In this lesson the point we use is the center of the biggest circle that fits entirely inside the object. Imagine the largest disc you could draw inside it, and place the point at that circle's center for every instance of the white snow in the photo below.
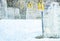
(19, 30)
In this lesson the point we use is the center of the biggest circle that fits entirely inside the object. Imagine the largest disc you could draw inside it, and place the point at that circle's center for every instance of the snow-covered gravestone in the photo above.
(4, 8)
(13, 13)
(0, 9)
(52, 21)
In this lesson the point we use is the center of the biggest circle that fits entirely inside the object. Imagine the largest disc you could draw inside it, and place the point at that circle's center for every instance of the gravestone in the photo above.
(3, 9)
(52, 21)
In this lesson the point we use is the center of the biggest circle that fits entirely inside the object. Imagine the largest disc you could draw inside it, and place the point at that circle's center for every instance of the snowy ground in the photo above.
(21, 30)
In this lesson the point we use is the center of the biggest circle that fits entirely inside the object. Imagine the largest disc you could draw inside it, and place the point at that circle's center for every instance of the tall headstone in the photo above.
(0, 9)
(52, 21)
(4, 8)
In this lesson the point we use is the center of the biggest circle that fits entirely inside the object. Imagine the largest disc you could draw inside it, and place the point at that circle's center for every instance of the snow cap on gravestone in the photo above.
(54, 4)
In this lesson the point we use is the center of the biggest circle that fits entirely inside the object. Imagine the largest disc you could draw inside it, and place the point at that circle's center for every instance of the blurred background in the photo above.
(23, 9)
